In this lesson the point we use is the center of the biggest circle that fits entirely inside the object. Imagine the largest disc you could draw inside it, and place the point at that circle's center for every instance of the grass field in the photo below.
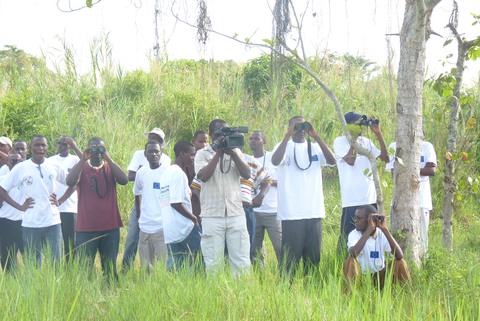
(183, 96)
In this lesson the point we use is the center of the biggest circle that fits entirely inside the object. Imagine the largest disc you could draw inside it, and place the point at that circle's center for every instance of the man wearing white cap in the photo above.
(5, 149)
(354, 171)
(139, 160)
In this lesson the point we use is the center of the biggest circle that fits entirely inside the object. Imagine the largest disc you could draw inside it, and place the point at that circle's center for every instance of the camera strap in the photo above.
(94, 181)
(309, 148)
(221, 165)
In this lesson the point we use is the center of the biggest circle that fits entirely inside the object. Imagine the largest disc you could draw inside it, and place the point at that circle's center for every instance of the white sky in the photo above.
(357, 27)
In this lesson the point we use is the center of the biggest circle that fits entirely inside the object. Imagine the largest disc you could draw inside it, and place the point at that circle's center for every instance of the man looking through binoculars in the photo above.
(356, 185)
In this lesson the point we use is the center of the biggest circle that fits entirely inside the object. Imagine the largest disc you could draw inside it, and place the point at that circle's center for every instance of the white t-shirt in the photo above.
(356, 184)
(9, 212)
(427, 155)
(176, 227)
(70, 205)
(4, 170)
(300, 192)
(37, 182)
(148, 184)
(372, 256)
(269, 204)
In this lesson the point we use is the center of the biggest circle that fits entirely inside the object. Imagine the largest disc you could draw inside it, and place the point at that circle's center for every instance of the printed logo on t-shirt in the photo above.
(374, 254)
(156, 185)
(315, 158)
(165, 196)
(28, 180)
(422, 159)
(68, 170)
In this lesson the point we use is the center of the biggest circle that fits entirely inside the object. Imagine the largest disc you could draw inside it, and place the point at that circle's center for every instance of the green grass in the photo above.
(447, 288)
(183, 96)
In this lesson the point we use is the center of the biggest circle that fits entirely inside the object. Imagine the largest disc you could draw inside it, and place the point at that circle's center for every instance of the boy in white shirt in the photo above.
(181, 227)
(148, 202)
(367, 245)
(38, 178)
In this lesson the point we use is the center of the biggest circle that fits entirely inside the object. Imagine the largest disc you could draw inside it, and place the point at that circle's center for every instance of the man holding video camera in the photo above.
(367, 245)
(354, 171)
(219, 166)
(300, 194)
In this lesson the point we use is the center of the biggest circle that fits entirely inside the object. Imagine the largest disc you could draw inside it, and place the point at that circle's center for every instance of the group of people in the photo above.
(214, 202)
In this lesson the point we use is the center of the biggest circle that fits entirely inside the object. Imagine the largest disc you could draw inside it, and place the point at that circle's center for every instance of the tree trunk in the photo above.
(405, 215)
(449, 178)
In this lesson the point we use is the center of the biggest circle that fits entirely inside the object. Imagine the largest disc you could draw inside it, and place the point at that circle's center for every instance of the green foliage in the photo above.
(23, 115)
(445, 83)
(258, 81)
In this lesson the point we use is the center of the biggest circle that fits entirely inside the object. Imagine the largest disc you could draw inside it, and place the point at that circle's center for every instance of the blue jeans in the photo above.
(250, 216)
(106, 243)
(131, 242)
(35, 239)
(185, 252)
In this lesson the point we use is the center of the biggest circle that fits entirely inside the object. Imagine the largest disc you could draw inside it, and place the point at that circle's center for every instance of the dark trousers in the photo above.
(301, 239)
(106, 243)
(131, 241)
(186, 252)
(250, 216)
(347, 225)
(10, 242)
(68, 232)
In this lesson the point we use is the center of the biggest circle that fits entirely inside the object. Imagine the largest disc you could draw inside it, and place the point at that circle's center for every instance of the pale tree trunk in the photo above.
(405, 215)
(449, 178)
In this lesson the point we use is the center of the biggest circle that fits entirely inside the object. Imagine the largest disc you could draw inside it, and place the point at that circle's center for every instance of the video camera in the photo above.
(369, 122)
(233, 137)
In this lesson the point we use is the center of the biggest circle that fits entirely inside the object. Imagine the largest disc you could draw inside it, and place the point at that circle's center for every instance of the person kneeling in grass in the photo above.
(367, 245)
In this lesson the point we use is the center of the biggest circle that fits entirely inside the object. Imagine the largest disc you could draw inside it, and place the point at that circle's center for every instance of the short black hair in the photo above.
(262, 135)
(293, 118)
(153, 142)
(38, 136)
(13, 154)
(213, 125)
(368, 209)
(198, 133)
(182, 146)
(95, 139)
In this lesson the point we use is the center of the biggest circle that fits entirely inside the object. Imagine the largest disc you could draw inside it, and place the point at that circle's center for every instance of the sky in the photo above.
(356, 27)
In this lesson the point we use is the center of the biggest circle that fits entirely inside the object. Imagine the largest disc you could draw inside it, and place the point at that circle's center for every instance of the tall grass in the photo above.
(447, 288)
(181, 97)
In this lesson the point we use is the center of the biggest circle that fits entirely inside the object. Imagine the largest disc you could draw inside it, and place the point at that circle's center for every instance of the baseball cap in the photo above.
(159, 132)
(352, 117)
(6, 141)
